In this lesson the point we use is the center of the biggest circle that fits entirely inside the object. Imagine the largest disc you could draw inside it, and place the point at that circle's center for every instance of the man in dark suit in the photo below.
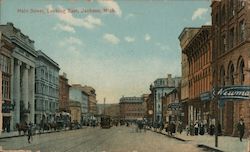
(241, 128)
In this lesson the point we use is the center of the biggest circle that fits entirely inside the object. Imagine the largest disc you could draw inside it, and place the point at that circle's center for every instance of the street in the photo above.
(115, 139)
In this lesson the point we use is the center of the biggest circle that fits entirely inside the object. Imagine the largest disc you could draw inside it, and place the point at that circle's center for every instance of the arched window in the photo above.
(222, 76)
(231, 73)
(241, 71)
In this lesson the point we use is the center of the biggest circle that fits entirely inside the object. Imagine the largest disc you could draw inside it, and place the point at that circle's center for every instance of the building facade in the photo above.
(172, 107)
(6, 49)
(46, 88)
(92, 102)
(185, 37)
(132, 108)
(23, 74)
(159, 89)
(231, 59)
(199, 52)
(75, 111)
(63, 93)
(76, 93)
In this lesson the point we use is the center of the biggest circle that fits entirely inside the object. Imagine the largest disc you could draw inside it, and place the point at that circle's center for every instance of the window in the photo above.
(223, 14)
(242, 30)
(241, 72)
(222, 76)
(5, 63)
(223, 43)
(231, 8)
(231, 74)
(231, 38)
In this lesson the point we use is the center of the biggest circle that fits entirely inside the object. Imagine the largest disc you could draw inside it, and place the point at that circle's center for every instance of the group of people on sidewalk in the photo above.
(199, 128)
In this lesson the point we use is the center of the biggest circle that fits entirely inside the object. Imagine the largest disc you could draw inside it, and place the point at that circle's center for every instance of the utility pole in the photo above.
(104, 105)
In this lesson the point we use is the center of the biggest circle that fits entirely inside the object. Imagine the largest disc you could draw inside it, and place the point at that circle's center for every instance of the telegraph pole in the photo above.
(104, 105)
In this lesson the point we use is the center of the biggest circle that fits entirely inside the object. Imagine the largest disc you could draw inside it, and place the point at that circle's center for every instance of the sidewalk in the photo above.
(16, 134)
(225, 143)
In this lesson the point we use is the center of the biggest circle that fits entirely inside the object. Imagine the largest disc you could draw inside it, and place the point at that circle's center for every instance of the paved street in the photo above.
(116, 139)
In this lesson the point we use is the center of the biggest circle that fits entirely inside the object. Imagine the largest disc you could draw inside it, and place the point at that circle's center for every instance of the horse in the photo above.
(22, 127)
(53, 125)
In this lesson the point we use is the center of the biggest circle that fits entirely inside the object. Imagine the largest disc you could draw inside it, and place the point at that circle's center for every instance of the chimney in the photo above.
(169, 76)
(64, 75)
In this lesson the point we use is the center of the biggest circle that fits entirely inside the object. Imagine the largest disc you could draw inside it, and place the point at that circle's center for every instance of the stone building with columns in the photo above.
(23, 74)
(46, 88)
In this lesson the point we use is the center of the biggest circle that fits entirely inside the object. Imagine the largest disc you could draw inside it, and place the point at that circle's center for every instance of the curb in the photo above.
(39, 133)
(183, 140)
(210, 148)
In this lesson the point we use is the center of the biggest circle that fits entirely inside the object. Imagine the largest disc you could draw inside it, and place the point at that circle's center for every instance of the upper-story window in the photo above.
(241, 3)
(231, 74)
(5, 63)
(241, 72)
(231, 8)
(231, 38)
(242, 30)
(223, 43)
(223, 14)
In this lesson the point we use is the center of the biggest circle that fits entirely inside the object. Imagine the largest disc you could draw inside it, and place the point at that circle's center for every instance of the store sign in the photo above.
(234, 92)
(175, 106)
(206, 96)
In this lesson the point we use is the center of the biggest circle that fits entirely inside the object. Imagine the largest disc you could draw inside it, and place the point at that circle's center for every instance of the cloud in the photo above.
(71, 41)
(147, 37)
(64, 15)
(129, 39)
(162, 46)
(111, 38)
(130, 15)
(111, 4)
(199, 13)
(65, 28)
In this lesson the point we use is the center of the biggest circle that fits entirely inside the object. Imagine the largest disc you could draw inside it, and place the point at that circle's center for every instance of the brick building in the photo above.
(63, 93)
(231, 58)
(198, 53)
(185, 37)
(6, 50)
(132, 108)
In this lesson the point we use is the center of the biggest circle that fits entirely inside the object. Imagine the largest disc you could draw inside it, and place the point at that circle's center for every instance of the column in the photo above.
(32, 93)
(25, 95)
(12, 121)
(17, 91)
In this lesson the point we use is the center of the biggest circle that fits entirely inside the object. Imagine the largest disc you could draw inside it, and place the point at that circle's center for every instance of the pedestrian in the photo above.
(202, 130)
(187, 129)
(180, 127)
(196, 128)
(211, 129)
(29, 132)
(241, 128)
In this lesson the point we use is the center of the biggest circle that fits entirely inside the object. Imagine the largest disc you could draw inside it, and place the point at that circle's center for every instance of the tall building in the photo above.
(46, 88)
(198, 52)
(76, 93)
(159, 89)
(231, 60)
(6, 73)
(132, 108)
(23, 74)
(185, 37)
(92, 102)
(63, 93)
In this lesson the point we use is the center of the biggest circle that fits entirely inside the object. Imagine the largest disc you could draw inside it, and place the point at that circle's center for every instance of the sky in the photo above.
(117, 47)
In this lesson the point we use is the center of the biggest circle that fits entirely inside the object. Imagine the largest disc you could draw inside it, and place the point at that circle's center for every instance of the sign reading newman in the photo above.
(234, 92)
